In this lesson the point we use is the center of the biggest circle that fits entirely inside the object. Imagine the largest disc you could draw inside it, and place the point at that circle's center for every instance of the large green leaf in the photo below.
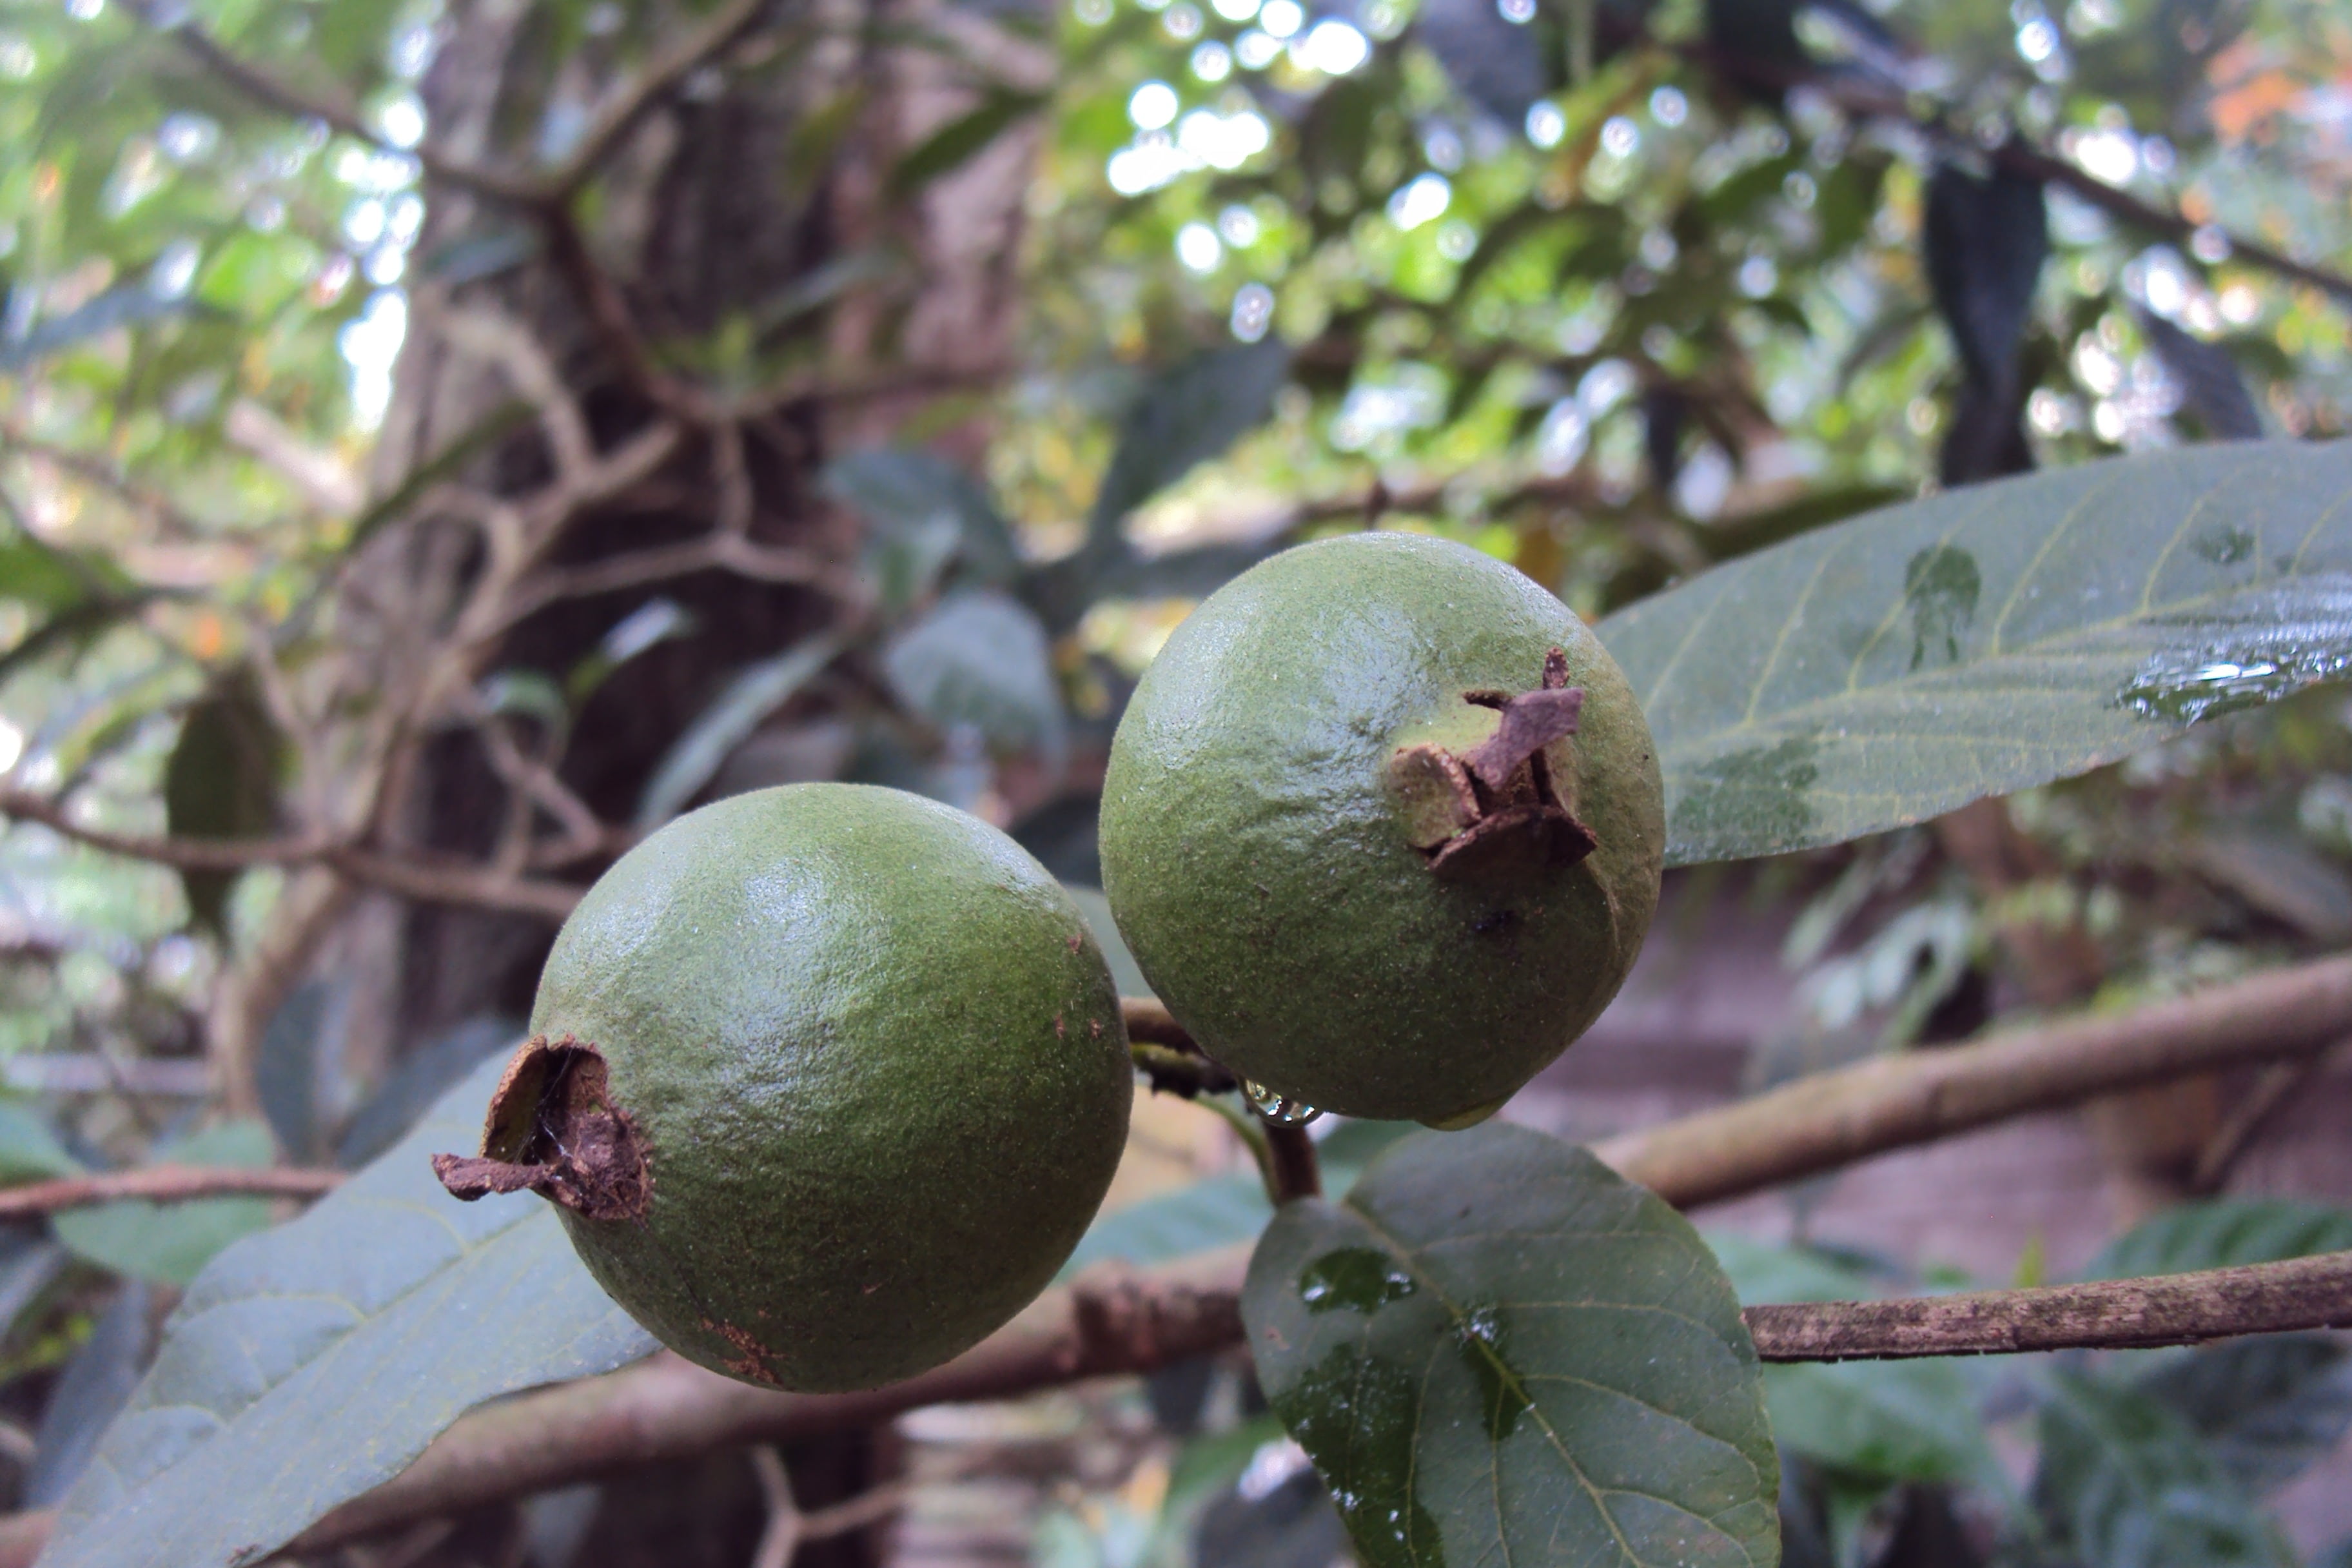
(314, 1361)
(756, 691)
(980, 659)
(1185, 416)
(2223, 1232)
(1498, 1349)
(2133, 1486)
(1889, 668)
(2269, 1406)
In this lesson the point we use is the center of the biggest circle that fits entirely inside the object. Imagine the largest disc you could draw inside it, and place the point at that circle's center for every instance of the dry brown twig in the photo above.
(165, 1185)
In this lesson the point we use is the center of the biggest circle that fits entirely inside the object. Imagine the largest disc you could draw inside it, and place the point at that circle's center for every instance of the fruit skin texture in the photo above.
(1258, 860)
(875, 1063)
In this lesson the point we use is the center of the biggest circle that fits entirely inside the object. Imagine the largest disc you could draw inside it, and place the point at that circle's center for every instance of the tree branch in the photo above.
(2111, 1314)
(185, 853)
(1832, 1120)
(662, 74)
(266, 89)
(1864, 98)
(166, 1185)
(427, 881)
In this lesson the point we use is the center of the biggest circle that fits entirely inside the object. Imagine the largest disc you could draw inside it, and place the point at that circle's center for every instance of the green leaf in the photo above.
(30, 1151)
(2222, 1232)
(922, 511)
(981, 658)
(1497, 1348)
(1897, 1421)
(1885, 1421)
(124, 305)
(1890, 669)
(221, 781)
(1184, 417)
(756, 691)
(1217, 1210)
(2269, 1406)
(2133, 1486)
(960, 140)
(313, 1362)
(169, 1243)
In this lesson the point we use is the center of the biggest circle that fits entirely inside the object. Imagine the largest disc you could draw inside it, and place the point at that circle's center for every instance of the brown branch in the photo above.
(185, 853)
(660, 76)
(712, 552)
(270, 92)
(456, 883)
(165, 1185)
(1832, 1120)
(1867, 100)
(2112, 1314)
(427, 881)
(665, 1407)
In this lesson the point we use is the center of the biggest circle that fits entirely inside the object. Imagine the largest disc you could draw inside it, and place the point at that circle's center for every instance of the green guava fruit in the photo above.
(1383, 827)
(825, 1082)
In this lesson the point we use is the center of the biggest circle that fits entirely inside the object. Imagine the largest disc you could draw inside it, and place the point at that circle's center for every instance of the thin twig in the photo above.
(717, 34)
(427, 881)
(185, 853)
(2111, 1314)
(267, 89)
(1832, 1120)
(781, 1536)
(166, 1185)
(1863, 99)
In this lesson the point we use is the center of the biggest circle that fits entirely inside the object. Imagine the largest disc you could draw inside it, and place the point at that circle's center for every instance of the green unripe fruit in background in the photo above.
(1383, 826)
(826, 1081)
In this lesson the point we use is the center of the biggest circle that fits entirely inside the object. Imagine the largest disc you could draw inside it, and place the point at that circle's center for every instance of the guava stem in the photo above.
(1293, 1170)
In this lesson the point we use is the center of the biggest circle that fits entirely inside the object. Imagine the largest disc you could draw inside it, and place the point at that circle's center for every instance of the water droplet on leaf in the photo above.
(1276, 1106)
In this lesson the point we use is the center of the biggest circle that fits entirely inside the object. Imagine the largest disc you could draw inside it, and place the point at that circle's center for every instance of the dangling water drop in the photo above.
(1276, 1106)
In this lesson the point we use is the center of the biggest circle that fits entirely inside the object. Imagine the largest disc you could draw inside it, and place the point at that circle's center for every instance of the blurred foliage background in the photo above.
(440, 441)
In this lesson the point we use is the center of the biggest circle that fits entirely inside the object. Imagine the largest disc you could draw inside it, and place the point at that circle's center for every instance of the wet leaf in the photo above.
(1497, 1348)
(314, 1361)
(1886, 669)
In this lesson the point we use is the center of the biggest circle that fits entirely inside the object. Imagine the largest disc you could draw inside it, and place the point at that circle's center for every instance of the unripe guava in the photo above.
(1383, 826)
(826, 1081)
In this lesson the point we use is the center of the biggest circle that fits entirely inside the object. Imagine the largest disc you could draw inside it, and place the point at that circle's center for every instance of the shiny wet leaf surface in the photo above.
(1885, 670)
(1496, 1349)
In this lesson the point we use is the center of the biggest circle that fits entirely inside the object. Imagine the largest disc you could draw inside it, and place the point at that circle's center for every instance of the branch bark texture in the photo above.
(166, 1185)
(2113, 1314)
(1833, 1119)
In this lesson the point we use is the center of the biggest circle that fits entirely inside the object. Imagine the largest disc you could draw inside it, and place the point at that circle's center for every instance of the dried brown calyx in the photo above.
(553, 1129)
(1496, 803)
